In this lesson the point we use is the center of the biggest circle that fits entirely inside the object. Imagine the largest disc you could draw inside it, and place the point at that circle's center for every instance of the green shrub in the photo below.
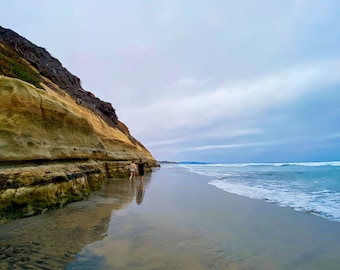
(25, 74)
(12, 65)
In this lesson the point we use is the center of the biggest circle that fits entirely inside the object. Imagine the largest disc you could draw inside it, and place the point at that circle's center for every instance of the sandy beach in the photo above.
(175, 220)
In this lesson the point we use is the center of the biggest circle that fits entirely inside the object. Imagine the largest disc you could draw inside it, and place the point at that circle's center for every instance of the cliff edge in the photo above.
(58, 142)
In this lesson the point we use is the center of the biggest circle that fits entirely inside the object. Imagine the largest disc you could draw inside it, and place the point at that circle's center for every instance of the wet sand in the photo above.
(174, 221)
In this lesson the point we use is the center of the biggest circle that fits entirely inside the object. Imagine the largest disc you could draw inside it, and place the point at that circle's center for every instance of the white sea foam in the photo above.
(278, 164)
(307, 202)
(311, 187)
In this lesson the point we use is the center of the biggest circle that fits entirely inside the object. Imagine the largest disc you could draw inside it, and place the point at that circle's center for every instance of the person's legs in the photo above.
(132, 175)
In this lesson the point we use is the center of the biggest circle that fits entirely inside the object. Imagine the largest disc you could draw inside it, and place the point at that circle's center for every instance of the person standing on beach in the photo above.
(141, 169)
(133, 169)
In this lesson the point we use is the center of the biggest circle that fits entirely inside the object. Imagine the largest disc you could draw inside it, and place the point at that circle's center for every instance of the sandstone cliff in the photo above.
(58, 142)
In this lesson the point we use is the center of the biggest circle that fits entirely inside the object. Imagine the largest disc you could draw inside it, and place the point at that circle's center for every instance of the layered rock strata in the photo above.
(58, 142)
(33, 189)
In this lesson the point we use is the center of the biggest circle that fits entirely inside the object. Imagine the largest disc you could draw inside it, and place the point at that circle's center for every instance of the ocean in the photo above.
(311, 187)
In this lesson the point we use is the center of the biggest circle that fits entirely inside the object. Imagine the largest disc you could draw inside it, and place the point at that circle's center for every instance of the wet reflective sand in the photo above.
(51, 240)
(173, 221)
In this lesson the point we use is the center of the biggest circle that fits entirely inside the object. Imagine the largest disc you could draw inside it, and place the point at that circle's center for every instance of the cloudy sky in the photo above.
(217, 81)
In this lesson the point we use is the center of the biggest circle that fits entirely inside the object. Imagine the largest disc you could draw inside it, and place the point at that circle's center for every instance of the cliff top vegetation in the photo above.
(12, 65)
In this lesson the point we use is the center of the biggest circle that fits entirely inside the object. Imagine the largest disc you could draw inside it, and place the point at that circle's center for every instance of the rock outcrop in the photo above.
(58, 142)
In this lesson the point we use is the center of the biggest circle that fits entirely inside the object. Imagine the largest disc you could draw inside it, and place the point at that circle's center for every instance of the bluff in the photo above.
(58, 142)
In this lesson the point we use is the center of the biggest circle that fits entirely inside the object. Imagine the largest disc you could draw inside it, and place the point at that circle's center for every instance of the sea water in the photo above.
(312, 187)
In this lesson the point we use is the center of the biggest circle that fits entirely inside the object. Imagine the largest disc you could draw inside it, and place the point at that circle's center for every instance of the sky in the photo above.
(216, 81)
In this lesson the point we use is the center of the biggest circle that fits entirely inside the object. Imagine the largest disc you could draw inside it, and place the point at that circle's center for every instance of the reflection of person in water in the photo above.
(140, 193)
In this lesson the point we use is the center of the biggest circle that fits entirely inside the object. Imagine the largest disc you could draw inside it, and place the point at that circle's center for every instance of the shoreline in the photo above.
(185, 223)
(179, 222)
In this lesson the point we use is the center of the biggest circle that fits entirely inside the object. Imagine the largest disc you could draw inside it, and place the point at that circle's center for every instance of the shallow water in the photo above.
(51, 240)
(312, 187)
(175, 221)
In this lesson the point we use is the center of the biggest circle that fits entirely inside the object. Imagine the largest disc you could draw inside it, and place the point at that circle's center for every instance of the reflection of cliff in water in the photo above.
(49, 241)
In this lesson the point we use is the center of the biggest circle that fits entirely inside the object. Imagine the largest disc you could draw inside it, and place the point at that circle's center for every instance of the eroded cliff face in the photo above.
(41, 124)
(58, 142)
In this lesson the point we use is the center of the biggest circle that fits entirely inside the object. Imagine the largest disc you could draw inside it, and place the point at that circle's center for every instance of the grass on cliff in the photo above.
(12, 65)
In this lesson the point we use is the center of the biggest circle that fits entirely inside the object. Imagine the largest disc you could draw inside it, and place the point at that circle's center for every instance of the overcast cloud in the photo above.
(217, 81)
